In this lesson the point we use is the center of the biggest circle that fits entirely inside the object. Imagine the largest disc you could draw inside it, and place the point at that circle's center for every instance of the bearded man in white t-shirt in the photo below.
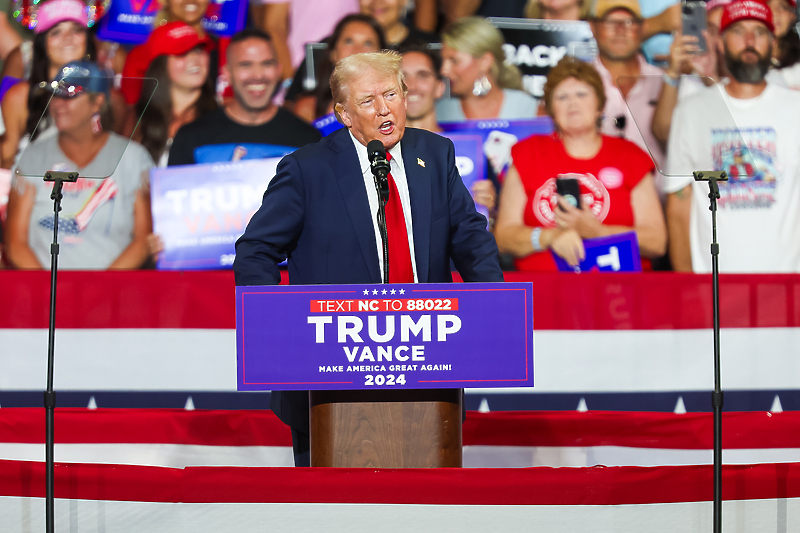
(751, 129)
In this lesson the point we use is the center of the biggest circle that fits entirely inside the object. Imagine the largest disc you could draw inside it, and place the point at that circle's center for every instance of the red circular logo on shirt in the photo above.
(611, 177)
(594, 196)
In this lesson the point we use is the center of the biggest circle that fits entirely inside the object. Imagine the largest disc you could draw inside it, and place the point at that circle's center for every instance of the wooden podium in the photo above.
(386, 429)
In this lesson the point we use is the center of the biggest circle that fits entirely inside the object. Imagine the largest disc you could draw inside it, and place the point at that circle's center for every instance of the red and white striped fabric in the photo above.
(180, 438)
(96, 493)
(94, 498)
(174, 331)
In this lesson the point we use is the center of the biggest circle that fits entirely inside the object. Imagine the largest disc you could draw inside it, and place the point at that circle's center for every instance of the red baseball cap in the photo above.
(746, 10)
(171, 39)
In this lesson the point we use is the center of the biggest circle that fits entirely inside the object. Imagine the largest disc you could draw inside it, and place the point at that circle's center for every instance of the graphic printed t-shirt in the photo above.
(606, 182)
(217, 128)
(756, 141)
(96, 221)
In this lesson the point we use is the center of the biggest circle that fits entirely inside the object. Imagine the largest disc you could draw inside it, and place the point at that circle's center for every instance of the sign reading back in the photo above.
(412, 336)
(536, 46)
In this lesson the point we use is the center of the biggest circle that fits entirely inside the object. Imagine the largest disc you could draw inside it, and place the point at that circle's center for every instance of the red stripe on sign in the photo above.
(691, 431)
(563, 301)
(443, 486)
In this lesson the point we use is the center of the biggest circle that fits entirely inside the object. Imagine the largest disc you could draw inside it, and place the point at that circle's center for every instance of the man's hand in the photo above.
(685, 56)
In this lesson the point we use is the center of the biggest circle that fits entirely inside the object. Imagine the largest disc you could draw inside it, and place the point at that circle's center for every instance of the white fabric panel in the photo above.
(179, 456)
(23, 515)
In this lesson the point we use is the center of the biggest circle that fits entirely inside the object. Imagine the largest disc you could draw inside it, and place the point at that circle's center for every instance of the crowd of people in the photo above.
(624, 127)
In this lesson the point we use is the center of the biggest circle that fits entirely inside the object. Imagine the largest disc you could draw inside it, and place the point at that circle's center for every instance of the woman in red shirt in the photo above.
(617, 190)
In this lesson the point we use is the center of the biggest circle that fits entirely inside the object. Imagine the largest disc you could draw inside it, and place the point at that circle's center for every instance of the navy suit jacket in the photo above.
(316, 212)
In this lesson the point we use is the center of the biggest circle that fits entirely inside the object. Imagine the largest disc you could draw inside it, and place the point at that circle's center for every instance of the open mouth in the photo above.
(190, 8)
(387, 127)
(414, 97)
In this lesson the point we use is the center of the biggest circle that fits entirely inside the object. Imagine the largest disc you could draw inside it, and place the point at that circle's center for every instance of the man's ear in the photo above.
(438, 91)
(98, 101)
(339, 108)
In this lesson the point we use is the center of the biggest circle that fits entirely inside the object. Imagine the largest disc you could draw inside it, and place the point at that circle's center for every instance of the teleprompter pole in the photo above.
(717, 397)
(58, 179)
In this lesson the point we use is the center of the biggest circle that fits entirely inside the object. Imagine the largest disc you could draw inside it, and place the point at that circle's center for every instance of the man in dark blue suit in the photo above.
(320, 208)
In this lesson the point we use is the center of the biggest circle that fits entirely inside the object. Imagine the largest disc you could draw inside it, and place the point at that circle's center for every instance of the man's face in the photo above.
(254, 72)
(424, 86)
(618, 35)
(747, 45)
(375, 108)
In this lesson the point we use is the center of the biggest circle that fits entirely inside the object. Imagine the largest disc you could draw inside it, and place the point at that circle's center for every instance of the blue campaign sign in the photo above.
(498, 136)
(469, 160)
(617, 253)
(200, 210)
(327, 124)
(131, 21)
(399, 336)
(128, 21)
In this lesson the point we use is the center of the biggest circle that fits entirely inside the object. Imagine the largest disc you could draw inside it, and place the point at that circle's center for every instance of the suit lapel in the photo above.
(346, 168)
(419, 189)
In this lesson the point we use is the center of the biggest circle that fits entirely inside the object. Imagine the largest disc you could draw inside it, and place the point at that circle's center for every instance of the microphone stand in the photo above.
(383, 197)
(58, 179)
(717, 397)
(380, 171)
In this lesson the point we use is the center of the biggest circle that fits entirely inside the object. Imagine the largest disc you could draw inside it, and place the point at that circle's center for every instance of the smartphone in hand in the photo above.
(693, 18)
(570, 189)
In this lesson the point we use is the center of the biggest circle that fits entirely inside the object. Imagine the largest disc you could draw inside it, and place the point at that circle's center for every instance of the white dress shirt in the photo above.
(399, 174)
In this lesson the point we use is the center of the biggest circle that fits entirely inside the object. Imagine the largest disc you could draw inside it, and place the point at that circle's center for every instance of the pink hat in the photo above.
(55, 11)
(746, 10)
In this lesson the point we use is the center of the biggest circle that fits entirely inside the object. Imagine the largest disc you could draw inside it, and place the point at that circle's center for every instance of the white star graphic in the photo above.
(402, 291)
(375, 291)
(393, 291)
(366, 291)
(383, 291)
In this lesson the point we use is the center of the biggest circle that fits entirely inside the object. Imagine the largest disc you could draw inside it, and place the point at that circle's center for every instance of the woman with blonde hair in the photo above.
(482, 84)
(614, 178)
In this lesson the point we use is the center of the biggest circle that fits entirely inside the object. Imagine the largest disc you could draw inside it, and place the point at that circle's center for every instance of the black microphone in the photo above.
(380, 168)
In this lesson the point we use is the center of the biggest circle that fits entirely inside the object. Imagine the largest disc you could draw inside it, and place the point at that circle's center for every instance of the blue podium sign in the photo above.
(617, 253)
(400, 336)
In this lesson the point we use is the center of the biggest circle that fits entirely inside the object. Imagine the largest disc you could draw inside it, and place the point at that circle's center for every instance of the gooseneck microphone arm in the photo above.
(380, 171)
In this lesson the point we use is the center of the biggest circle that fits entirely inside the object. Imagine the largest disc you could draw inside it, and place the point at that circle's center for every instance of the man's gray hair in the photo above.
(351, 67)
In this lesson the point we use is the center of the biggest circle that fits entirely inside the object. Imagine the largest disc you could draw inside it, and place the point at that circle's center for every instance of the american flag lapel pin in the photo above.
(420, 162)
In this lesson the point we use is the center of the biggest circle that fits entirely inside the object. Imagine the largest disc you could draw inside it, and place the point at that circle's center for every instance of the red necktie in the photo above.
(400, 269)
